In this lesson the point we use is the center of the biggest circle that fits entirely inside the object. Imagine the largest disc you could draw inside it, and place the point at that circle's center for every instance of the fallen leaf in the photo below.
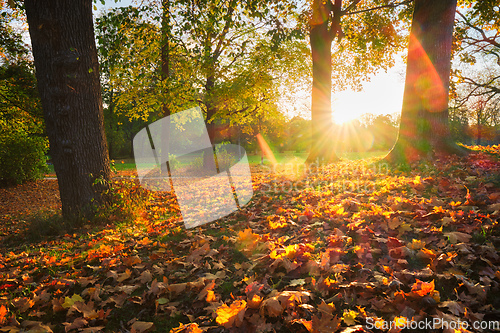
(141, 326)
(229, 316)
(423, 288)
(455, 237)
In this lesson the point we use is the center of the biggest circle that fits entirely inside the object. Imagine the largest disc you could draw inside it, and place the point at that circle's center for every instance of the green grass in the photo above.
(255, 159)
(124, 164)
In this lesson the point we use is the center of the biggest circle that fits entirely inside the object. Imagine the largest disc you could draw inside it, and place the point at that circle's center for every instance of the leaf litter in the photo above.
(328, 251)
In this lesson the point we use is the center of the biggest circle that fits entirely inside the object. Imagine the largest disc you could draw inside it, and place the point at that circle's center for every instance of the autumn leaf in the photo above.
(271, 307)
(394, 223)
(254, 302)
(326, 324)
(229, 316)
(68, 302)
(141, 326)
(3, 314)
(145, 277)
(124, 276)
(77, 323)
(416, 244)
(423, 288)
(187, 328)
(349, 317)
(400, 322)
(455, 237)
(326, 308)
(247, 240)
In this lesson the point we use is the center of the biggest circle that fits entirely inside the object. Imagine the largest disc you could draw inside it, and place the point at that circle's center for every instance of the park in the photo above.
(186, 166)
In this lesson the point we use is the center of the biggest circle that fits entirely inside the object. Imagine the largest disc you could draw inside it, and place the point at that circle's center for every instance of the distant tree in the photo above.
(23, 142)
(476, 80)
(222, 56)
(477, 44)
(67, 71)
(424, 128)
(371, 31)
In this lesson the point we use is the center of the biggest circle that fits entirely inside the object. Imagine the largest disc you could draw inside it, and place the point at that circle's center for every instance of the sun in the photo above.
(343, 116)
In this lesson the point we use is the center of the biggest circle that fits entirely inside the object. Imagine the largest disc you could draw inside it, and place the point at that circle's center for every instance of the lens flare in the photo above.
(268, 153)
(428, 83)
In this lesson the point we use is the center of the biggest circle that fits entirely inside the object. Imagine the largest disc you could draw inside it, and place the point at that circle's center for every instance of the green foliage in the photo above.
(224, 158)
(222, 56)
(128, 201)
(22, 157)
(371, 40)
(23, 144)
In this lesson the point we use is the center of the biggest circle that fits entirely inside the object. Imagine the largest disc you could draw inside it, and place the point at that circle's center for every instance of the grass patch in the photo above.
(46, 224)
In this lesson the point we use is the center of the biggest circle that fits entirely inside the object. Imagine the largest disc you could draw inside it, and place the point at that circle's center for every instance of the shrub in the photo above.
(128, 200)
(22, 157)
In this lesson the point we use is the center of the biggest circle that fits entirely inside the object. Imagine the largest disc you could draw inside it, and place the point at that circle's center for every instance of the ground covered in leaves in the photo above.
(352, 247)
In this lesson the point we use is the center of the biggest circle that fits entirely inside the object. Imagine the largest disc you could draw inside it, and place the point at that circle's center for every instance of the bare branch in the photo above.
(392, 5)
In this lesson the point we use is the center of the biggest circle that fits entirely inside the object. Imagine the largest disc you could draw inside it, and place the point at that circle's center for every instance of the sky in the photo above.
(383, 94)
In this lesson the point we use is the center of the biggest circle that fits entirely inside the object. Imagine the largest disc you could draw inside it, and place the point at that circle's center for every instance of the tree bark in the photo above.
(424, 128)
(321, 97)
(67, 71)
(165, 73)
(165, 51)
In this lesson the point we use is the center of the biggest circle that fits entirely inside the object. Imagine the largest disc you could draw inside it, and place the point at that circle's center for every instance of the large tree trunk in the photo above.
(165, 73)
(321, 98)
(67, 71)
(424, 128)
(165, 51)
(208, 158)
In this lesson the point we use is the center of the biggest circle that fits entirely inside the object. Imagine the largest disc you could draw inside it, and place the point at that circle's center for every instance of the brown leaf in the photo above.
(145, 277)
(177, 288)
(131, 261)
(455, 237)
(141, 326)
(23, 303)
(272, 307)
(326, 324)
(92, 329)
(124, 276)
(454, 307)
(326, 308)
(77, 323)
(87, 310)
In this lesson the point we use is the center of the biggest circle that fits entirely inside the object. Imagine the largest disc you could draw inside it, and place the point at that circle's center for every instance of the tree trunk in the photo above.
(165, 52)
(424, 128)
(209, 158)
(165, 73)
(479, 127)
(67, 71)
(321, 98)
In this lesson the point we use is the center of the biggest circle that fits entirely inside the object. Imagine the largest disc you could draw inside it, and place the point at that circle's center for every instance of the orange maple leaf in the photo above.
(423, 288)
(187, 328)
(247, 240)
(229, 316)
(3, 314)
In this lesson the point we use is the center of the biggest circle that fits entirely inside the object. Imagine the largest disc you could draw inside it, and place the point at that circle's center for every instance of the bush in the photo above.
(22, 157)
(128, 200)
(225, 159)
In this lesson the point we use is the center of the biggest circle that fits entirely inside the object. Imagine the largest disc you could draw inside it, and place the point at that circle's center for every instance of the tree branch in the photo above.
(392, 5)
